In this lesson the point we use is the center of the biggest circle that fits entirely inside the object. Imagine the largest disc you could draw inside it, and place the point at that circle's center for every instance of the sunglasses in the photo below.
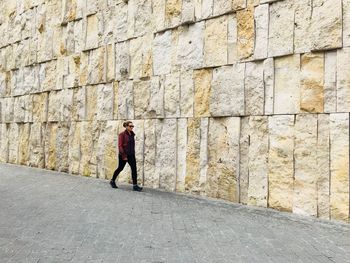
(131, 126)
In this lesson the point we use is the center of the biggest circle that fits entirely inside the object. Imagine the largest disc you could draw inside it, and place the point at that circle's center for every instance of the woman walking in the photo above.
(126, 147)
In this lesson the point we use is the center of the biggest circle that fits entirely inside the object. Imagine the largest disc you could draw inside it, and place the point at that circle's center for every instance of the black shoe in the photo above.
(112, 183)
(137, 188)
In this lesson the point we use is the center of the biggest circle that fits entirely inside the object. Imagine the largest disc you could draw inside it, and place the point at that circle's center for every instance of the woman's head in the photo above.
(128, 125)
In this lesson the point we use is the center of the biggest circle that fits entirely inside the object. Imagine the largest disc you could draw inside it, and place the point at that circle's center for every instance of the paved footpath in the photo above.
(48, 216)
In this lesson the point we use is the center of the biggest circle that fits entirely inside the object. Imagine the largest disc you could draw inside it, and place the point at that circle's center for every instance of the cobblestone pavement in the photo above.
(47, 216)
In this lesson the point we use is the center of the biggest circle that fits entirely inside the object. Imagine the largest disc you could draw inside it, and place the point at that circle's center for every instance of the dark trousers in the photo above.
(132, 162)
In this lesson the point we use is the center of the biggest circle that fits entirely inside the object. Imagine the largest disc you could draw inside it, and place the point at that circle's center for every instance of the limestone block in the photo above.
(71, 79)
(89, 132)
(30, 80)
(15, 25)
(141, 56)
(13, 134)
(74, 147)
(91, 102)
(96, 66)
(92, 6)
(204, 154)
(190, 11)
(40, 103)
(158, 7)
(125, 100)
(207, 8)
(139, 149)
(79, 36)
(151, 179)
(305, 154)
(326, 24)
(142, 96)
(28, 24)
(223, 158)
(109, 18)
(281, 28)
(92, 32)
(323, 166)
(302, 26)
(23, 145)
(62, 146)
(202, 79)
(232, 55)
(36, 145)
(107, 157)
(238, 4)
(215, 41)
(162, 53)
(343, 80)
(173, 12)
(261, 18)
(122, 61)
(330, 81)
(66, 103)
(339, 166)
(61, 72)
(45, 36)
(245, 33)
(7, 107)
(165, 163)
(156, 102)
(84, 68)
(190, 46)
(10, 58)
(54, 107)
(221, 7)
(182, 141)
(244, 160)
(50, 145)
(105, 100)
(280, 164)
(312, 82)
(131, 19)
(227, 91)
(258, 161)
(269, 81)
(121, 26)
(346, 23)
(79, 104)
(287, 90)
(69, 11)
(4, 145)
(110, 62)
(254, 88)
(143, 17)
(48, 75)
(23, 108)
(186, 94)
(172, 95)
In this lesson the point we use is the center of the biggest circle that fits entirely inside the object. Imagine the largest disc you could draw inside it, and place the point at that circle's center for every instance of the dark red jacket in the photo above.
(126, 143)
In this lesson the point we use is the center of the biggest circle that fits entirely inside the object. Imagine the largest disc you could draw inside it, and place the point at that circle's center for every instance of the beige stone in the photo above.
(92, 32)
(182, 142)
(281, 28)
(246, 33)
(23, 108)
(186, 94)
(96, 66)
(258, 161)
(23, 145)
(223, 158)
(227, 91)
(254, 88)
(326, 24)
(91, 102)
(312, 82)
(158, 7)
(323, 166)
(125, 100)
(89, 132)
(122, 61)
(244, 160)
(343, 80)
(48, 75)
(141, 56)
(105, 102)
(280, 164)
(151, 178)
(172, 95)
(74, 147)
(215, 41)
(238, 4)
(202, 87)
(36, 145)
(40, 103)
(165, 163)
(269, 84)
(121, 26)
(156, 103)
(54, 106)
(339, 166)
(261, 18)
(79, 104)
(162, 53)
(232, 55)
(287, 89)
(142, 96)
(173, 12)
(188, 11)
(50, 145)
(305, 155)
(302, 25)
(330, 81)
(222, 7)
(7, 109)
(346, 23)
(207, 8)
(4, 145)
(62, 146)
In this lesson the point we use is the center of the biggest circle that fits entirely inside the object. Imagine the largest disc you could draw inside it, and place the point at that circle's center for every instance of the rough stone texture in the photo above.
(281, 166)
(302, 25)
(269, 84)
(232, 52)
(125, 100)
(172, 96)
(50, 145)
(172, 12)
(305, 154)
(74, 147)
(254, 92)
(151, 179)
(227, 91)
(202, 89)
(343, 80)
(23, 146)
(261, 18)
(312, 82)
(182, 143)
(245, 31)
(186, 94)
(244, 160)
(223, 158)
(62, 146)
(346, 23)
(142, 94)
(215, 42)
(287, 90)
(105, 102)
(162, 53)
(339, 166)
(330, 81)
(326, 24)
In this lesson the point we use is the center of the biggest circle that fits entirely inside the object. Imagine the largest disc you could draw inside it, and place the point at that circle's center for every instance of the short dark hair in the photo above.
(126, 123)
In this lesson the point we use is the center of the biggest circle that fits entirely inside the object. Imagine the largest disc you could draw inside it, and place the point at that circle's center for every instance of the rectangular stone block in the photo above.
(142, 96)
(89, 131)
(96, 66)
(23, 108)
(50, 147)
(91, 102)
(227, 91)
(4, 145)
(221, 7)
(7, 108)
(151, 178)
(339, 166)
(36, 145)
(182, 142)
(162, 53)
(244, 160)
(186, 94)
(223, 158)
(62, 147)
(122, 61)
(207, 8)
(258, 161)
(254, 88)
(343, 80)
(125, 100)
(261, 18)
(158, 7)
(141, 56)
(40, 103)
(105, 98)
(79, 104)
(172, 95)
(346, 23)
(312, 82)
(215, 41)
(121, 26)
(74, 148)
(330, 81)
(280, 164)
(269, 83)
(173, 12)
(232, 52)
(302, 26)
(287, 89)
(306, 170)
(246, 33)
(92, 32)
(48, 75)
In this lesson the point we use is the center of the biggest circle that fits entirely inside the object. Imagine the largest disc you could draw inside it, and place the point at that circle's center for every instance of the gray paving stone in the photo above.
(47, 216)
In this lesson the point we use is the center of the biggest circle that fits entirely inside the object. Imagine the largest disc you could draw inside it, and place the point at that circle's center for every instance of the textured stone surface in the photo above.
(202, 89)
(302, 25)
(244, 160)
(181, 150)
(339, 166)
(281, 165)
(269, 85)
(74, 147)
(23, 145)
(261, 17)
(151, 178)
(187, 94)
(162, 53)
(223, 158)
(105, 102)
(330, 81)
(343, 80)
(125, 100)
(172, 96)
(254, 91)
(312, 82)
(232, 53)
(245, 33)
(287, 89)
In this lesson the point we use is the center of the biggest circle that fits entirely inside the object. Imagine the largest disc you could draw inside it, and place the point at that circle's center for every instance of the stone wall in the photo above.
(243, 100)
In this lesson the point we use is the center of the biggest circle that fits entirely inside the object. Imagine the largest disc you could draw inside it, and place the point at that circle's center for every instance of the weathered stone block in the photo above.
(302, 26)
(4, 145)
(62, 146)
(261, 18)
(96, 66)
(246, 33)
(186, 94)
(74, 147)
(125, 100)
(244, 160)
(343, 80)
(232, 53)
(105, 100)
(330, 81)
(172, 95)
(50, 145)
(79, 104)
(269, 83)
(92, 32)
(202, 87)
(151, 178)
(162, 53)
(254, 88)
(36, 145)
(122, 61)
